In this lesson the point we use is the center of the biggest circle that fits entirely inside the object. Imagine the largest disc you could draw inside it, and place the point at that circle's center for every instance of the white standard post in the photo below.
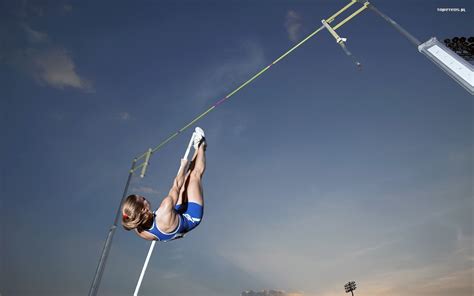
(152, 246)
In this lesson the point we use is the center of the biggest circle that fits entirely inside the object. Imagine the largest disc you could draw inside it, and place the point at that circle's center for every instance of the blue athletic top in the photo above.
(189, 216)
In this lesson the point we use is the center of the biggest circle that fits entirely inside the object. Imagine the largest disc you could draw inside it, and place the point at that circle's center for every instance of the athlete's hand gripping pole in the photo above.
(183, 166)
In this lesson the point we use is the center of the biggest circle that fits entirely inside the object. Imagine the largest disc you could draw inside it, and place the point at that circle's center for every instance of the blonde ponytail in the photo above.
(135, 213)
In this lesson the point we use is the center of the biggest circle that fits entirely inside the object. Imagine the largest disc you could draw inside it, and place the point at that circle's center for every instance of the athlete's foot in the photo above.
(199, 138)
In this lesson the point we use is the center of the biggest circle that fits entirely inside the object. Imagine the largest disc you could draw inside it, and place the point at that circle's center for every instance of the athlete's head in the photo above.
(136, 212)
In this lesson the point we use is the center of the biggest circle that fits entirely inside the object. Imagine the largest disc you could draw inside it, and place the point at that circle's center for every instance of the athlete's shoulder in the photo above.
(145, 235)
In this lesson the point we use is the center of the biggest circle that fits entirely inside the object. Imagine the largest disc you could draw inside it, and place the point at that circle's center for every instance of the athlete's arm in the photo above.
(145, 235)
(167, 216)
(178, 182)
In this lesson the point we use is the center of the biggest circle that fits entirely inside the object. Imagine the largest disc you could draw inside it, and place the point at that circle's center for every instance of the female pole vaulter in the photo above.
(179, 212)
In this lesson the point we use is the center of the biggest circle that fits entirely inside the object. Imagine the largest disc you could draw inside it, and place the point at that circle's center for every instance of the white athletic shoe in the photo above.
(199, 137)
(199, 131)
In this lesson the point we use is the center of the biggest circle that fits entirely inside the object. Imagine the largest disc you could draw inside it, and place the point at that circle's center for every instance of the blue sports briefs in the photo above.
(190, 215)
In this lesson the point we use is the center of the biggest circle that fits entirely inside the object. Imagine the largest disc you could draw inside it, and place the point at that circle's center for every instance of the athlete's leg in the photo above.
(192, 198)
(183, 194)
(194, 191)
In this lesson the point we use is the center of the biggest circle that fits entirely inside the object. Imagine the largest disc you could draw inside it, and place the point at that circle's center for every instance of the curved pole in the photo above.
(152, 246)
(150, 251)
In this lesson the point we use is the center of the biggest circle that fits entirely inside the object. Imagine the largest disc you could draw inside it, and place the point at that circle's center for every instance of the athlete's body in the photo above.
(180, 211)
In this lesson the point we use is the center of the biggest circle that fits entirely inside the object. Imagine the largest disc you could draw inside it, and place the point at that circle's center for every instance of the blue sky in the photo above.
(318, 173)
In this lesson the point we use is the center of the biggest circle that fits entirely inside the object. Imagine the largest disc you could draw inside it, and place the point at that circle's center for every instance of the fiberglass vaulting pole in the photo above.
(152, 245)
(108, 243)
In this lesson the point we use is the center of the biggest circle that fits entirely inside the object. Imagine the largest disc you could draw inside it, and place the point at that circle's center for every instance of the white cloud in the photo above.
(58, 116)
(47, 63)
(67, 7)
(293, 25)
(464, 245)
(124, 115)
(368, 249)
(419, 281)
(55, 67)
(145, 190)
(239, 128)
(33, 35)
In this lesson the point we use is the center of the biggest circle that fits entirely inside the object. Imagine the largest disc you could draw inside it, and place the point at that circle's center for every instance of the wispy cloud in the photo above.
(55, 67)
(390, 262)
(459, 282)
(293, 25)
(124, 116)
(67, 7)
(464, 245)
(48, 63)
(146, 190)
(420, 282)
(367, 250)
(33, 35)
(221, 77)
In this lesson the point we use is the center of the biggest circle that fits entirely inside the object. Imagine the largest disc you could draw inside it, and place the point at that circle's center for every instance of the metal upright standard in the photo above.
(108, 242)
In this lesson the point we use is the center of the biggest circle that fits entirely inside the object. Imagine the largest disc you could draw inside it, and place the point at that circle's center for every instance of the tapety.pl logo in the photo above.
(451, 9)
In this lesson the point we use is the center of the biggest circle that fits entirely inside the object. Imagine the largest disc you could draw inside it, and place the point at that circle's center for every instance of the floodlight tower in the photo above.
(350, 287)
(446, 59)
